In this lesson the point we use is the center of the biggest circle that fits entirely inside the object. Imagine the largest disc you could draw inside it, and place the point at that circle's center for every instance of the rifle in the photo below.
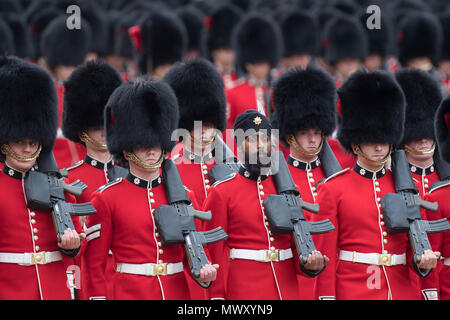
(328, 160)
(401, 210)
(227, 163)
(44, 190)
(176, 224)
(285, 213)
(117, 172)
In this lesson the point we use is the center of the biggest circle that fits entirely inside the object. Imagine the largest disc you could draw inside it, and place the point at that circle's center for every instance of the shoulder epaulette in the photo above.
(225, 179)
(79, 163)
(336, 174)
(438, 185)
(109, 184)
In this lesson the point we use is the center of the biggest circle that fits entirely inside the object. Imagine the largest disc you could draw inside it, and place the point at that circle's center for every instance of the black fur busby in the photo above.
(38, 21)
(21, 35)
(380, 40)
(344, 37)
(86, 92)
(63, 46)
(196, 30)
(222, 21)
(423, 96)
(442, 129)
(419, 35)
(305, 98)
(28, 102)
(372, 108)
(164, 39)
(444, 19)
(257, 38)
(143, 113)
(7, 42)
(200, 91)
(300, 34)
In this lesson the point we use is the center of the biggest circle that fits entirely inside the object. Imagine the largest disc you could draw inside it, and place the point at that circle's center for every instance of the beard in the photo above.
(258, 163)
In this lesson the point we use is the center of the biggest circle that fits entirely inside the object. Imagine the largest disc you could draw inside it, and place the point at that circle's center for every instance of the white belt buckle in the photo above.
(38, 258)
(272, 255)
(385, 259)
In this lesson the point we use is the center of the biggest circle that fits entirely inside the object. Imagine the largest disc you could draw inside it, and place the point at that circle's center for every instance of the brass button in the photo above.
(381, 216)
(35, 230)
(37, 248)
(207, 186)
(377, 183)
(152, 200)
(382, 223)
(205, 172)
(204, 166)
(261, 186)
(206, 181)
(385, 241)
(157, 234)
(377, 189)
(33, 221)
(385, 234)
(35, 238)
(261, 193)
(32, 213)
(272, 239)
(161, 251)
(151, 194)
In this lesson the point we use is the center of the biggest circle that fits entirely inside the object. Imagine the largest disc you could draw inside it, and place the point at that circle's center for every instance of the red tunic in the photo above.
(125, 224)
(26, 231)
(229, 79)
(427, 176)
(351, 202)
(93, 173)
(244, 96)
(236, 207)
(441, 195)
(306, 176)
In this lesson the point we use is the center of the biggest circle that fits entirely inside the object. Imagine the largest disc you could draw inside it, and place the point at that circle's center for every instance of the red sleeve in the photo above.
(218, 206)
(327, 243)
(99, 236)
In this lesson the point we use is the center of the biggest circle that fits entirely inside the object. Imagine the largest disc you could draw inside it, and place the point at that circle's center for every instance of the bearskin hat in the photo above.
(21, 35)
(445, 23)
(380, 40)
(86, 92)
(442, 128)
(7, 43)
(63, 46)
(143, 113)
(223, 19)
(200, 91)
(419, 35)
(372, 108)
(423, 96)
(255, 39)
(192, 19)
(305, 98)
(344, 37)
(28, 101)
(300, 33)
(164, 39)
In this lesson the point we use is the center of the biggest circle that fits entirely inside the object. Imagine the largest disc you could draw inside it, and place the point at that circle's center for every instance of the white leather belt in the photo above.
(150, 269)
(28, 259)
(379, 259)
(261, 255)
(447, 261)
